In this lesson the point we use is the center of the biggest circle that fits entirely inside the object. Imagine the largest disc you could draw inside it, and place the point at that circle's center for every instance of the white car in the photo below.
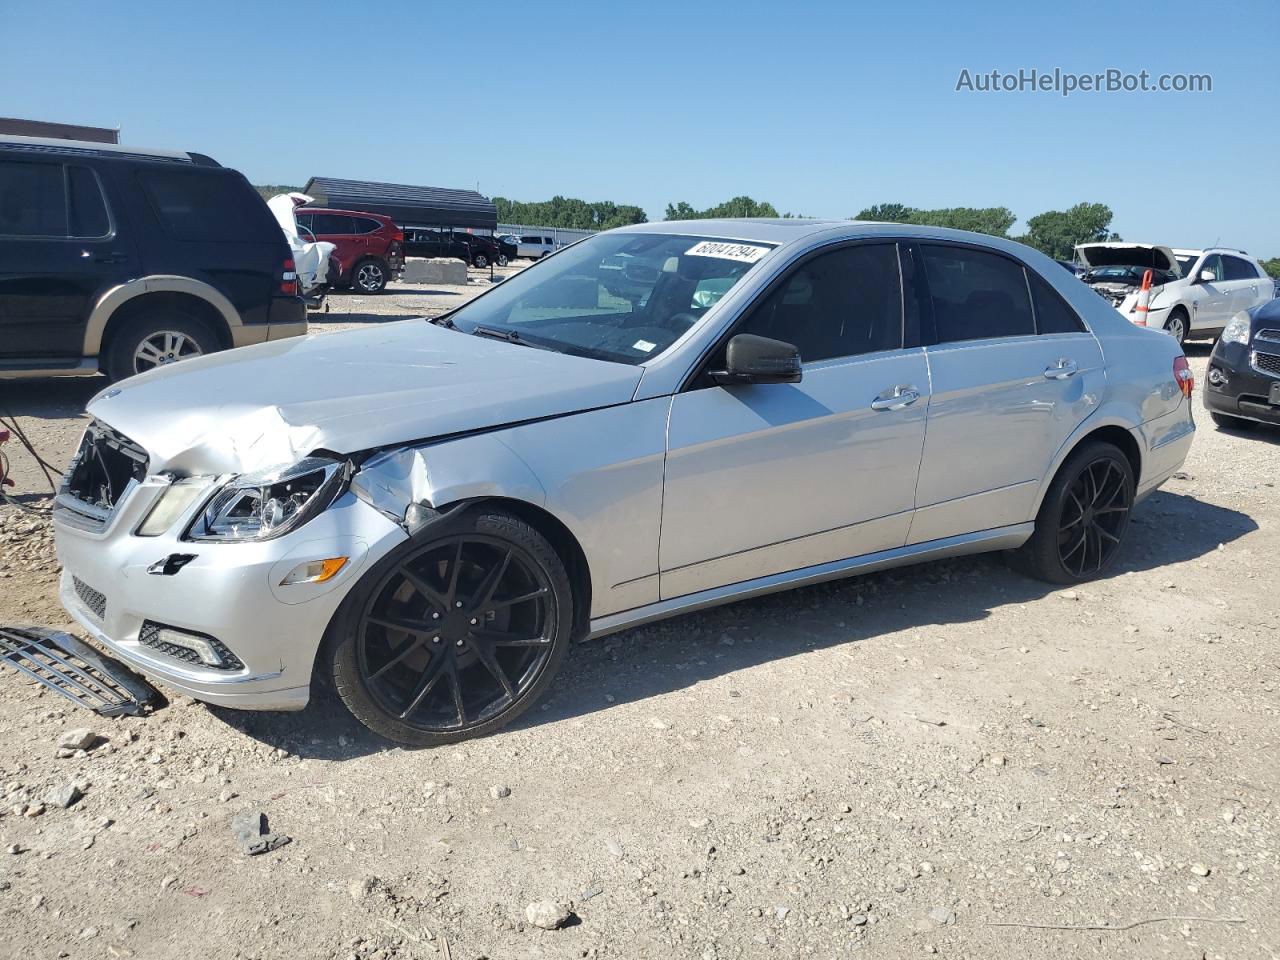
(1194, 293)
(535, 247)
(310, 256)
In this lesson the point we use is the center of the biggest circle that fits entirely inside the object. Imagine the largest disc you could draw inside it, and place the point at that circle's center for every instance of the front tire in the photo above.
(1083, 519)
(481, 261)
(455, 633)
(156, 339)
(1177, 326)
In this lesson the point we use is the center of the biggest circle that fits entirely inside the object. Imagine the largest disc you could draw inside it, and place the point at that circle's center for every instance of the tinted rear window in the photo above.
(88, 209)
(32, 200)
(1053, 315)
(334, 224)
(206, 207)
(1238, 269)
(976, 295)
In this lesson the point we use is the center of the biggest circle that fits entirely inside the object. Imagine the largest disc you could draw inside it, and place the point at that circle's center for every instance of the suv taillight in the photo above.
(289, 280)
(1182, 374)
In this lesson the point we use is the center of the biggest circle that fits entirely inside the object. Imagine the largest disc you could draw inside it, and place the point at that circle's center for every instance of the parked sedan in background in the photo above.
(1244, 370)
(369, 247)
(752, 406)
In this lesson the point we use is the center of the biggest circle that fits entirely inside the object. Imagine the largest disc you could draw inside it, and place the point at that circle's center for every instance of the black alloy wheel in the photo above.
(458, 635)
(1095, 514)
(1083, 518)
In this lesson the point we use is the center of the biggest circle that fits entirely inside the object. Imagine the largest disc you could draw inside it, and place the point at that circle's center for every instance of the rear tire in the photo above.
(157, 338)
(369, 276)
(480, 262)
(453, 634)
(1083, 519)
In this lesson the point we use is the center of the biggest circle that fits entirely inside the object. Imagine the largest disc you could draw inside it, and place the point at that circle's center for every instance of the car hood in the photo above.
(274, 403)
(1128, 255)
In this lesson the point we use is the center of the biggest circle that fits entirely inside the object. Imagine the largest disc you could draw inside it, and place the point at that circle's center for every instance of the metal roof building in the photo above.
(58, 131)
(408, 206)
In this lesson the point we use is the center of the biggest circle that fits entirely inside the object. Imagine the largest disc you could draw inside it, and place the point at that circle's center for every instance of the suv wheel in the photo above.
(481, 261)
(156, 340)
(1083, 519)
(455, 633)
(1176, 325)
(370, 276)
(502, 260)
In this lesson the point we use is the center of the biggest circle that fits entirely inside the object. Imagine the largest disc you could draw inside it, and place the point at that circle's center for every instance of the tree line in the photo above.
(1053, 232)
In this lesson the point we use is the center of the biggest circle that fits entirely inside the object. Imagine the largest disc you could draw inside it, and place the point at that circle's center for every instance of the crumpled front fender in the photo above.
(434, 475)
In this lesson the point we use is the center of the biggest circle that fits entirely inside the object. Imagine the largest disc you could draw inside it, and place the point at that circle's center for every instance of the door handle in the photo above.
(901, 396)
(1061, 370)
(113, 257)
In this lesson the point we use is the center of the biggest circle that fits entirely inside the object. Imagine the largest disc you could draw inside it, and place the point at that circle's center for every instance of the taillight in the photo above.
(1183, 375)
(289, 280)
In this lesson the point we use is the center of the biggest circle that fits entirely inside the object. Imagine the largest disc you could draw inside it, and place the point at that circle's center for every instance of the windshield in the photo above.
(624, 297)
(1186, 263)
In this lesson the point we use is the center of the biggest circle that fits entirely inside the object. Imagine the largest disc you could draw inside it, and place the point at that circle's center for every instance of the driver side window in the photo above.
(838, 304)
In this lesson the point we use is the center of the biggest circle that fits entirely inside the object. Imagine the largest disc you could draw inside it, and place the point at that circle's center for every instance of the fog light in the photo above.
(1217, 378)
(314, 571)
(197, 644)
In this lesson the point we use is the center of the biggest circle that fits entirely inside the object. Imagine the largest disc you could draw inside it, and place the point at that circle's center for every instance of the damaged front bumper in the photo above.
(119, 587)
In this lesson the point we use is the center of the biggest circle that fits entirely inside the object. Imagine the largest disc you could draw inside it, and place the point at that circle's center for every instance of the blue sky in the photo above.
(820, 108)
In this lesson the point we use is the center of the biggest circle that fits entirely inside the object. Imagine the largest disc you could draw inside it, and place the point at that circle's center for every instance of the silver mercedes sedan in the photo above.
(427, 514)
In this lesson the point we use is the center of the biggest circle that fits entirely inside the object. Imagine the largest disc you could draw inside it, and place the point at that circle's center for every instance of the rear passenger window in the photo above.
(1237, 269)
(88, 213)
(366, 225)
(206, 207)
(333, 223)
(32, 200)
(839, 304)
(1053, 315)
(976, 295)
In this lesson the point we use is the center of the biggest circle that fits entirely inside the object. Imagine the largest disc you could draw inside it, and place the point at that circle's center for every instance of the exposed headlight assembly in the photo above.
(1237, 331)
(270, 503)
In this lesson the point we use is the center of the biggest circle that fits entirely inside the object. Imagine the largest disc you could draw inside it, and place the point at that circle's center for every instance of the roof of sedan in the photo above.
(764, 230)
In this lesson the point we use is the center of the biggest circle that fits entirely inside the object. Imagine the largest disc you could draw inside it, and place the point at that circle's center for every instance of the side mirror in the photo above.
(1208, 276)
(752, 359)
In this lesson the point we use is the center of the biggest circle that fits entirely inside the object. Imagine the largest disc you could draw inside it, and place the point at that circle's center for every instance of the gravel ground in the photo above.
(930, 761)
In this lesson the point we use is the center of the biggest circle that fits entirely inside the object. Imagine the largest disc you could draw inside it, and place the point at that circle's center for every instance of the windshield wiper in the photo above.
(444, 320)
(510, 336)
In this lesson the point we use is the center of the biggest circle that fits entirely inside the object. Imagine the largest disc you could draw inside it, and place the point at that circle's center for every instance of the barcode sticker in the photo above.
(743, 252)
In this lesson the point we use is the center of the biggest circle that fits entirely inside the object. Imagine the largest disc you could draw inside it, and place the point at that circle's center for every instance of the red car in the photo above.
(368, 247)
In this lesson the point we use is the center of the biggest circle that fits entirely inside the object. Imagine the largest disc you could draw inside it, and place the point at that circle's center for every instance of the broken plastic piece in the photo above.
(71, 667)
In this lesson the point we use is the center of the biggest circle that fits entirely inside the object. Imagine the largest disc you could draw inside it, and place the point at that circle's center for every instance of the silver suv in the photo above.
(657, 419)
(1192, 293)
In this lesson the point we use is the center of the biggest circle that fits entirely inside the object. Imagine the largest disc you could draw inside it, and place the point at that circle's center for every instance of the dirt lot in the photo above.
(932, 761)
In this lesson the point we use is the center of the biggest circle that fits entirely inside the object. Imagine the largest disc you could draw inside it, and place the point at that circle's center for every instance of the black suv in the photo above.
(477, 249)
(117, 259)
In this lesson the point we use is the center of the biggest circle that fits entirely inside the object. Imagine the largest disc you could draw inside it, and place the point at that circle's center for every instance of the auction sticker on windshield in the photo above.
(745, 252)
